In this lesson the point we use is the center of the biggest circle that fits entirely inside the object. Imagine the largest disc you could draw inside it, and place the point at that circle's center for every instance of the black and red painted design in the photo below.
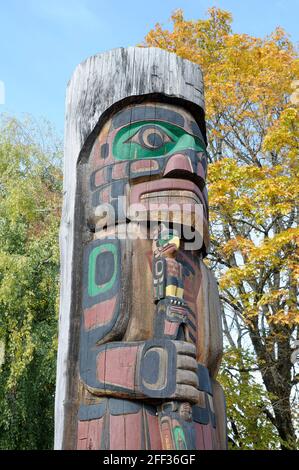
(141, 303)
(119, 169)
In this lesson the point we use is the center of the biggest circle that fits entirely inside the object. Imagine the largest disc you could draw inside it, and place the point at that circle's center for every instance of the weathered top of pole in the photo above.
(116, 77)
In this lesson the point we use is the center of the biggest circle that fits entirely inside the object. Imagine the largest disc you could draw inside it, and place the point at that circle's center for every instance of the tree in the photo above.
(252, 122)
(30, 195)
(246, 401)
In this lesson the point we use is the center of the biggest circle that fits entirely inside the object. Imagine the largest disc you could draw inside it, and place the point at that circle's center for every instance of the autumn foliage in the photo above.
(252, 97)
(253, 133)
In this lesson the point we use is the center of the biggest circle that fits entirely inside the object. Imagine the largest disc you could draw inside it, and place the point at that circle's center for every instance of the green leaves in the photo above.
(30, 195)
(247, 403)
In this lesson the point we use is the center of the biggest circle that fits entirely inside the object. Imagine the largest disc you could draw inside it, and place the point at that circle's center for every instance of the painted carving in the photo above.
(140, 339)
(141, 306)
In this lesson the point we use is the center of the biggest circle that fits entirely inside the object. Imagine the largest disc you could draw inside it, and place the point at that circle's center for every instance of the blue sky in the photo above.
(41, 41)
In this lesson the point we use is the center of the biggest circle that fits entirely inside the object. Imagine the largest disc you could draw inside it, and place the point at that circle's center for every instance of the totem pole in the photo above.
(140, 340)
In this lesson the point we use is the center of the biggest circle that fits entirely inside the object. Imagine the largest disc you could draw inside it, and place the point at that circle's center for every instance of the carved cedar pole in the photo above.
(140, 339)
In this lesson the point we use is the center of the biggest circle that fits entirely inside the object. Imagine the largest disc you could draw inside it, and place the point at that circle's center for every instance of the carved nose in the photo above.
(178, 162)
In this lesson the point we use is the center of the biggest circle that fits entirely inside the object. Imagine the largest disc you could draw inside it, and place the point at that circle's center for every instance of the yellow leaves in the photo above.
(273, 296)
(294, 98)
(238, 244)
(248, 82)
(293, 265)
(283, 136)
(220, 20)
(235, 276)
(289, 117)
(249, 191)
(271, 252)
(272, 249)
(284, 317)
(276, 254)
(235, 66)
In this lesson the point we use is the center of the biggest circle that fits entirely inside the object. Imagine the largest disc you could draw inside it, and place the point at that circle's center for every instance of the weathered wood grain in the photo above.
(107, 304)
(98, 83)
(220, 411)
(210, 343)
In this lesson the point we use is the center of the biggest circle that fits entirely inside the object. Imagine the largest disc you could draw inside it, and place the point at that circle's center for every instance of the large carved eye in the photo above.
(150, 137)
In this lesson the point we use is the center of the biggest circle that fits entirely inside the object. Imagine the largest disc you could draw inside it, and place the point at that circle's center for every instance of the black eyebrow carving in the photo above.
(196, 131)
(148, 113)
(144, 113)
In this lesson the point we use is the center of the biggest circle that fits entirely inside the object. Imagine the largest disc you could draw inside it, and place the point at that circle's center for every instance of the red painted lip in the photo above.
(163, 184)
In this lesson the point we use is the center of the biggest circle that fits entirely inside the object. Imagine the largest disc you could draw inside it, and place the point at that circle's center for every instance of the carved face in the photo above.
(150, 153)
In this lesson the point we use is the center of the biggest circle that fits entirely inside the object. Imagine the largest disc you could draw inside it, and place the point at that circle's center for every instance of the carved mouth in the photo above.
(167, 190)
(176, 201)
(171, 196)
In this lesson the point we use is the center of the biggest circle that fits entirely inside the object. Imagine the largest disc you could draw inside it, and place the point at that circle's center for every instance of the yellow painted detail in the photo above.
(175, 241)
(171, 290)
(180, 292)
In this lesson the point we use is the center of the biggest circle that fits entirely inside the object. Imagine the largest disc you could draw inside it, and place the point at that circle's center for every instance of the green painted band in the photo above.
(93, 288)
(179, 438)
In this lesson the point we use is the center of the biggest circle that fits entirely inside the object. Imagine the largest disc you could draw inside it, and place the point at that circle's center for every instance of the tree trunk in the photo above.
(276, 376)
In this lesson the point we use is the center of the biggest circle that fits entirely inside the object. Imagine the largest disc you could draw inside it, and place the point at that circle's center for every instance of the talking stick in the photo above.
(171, 321)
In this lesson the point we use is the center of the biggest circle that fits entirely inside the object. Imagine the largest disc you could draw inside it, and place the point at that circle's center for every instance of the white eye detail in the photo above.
(150, 137)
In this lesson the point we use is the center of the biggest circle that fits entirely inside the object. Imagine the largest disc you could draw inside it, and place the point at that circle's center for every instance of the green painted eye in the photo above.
(150, 137)
(152, 140)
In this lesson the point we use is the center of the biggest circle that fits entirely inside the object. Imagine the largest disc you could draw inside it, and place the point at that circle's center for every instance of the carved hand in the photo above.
(167, 370)
(156, 369)
(186, 377)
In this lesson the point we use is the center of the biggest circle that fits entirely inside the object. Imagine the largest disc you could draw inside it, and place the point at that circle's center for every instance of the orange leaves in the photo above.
(251, 88)
(238, 244)
(236, 66)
